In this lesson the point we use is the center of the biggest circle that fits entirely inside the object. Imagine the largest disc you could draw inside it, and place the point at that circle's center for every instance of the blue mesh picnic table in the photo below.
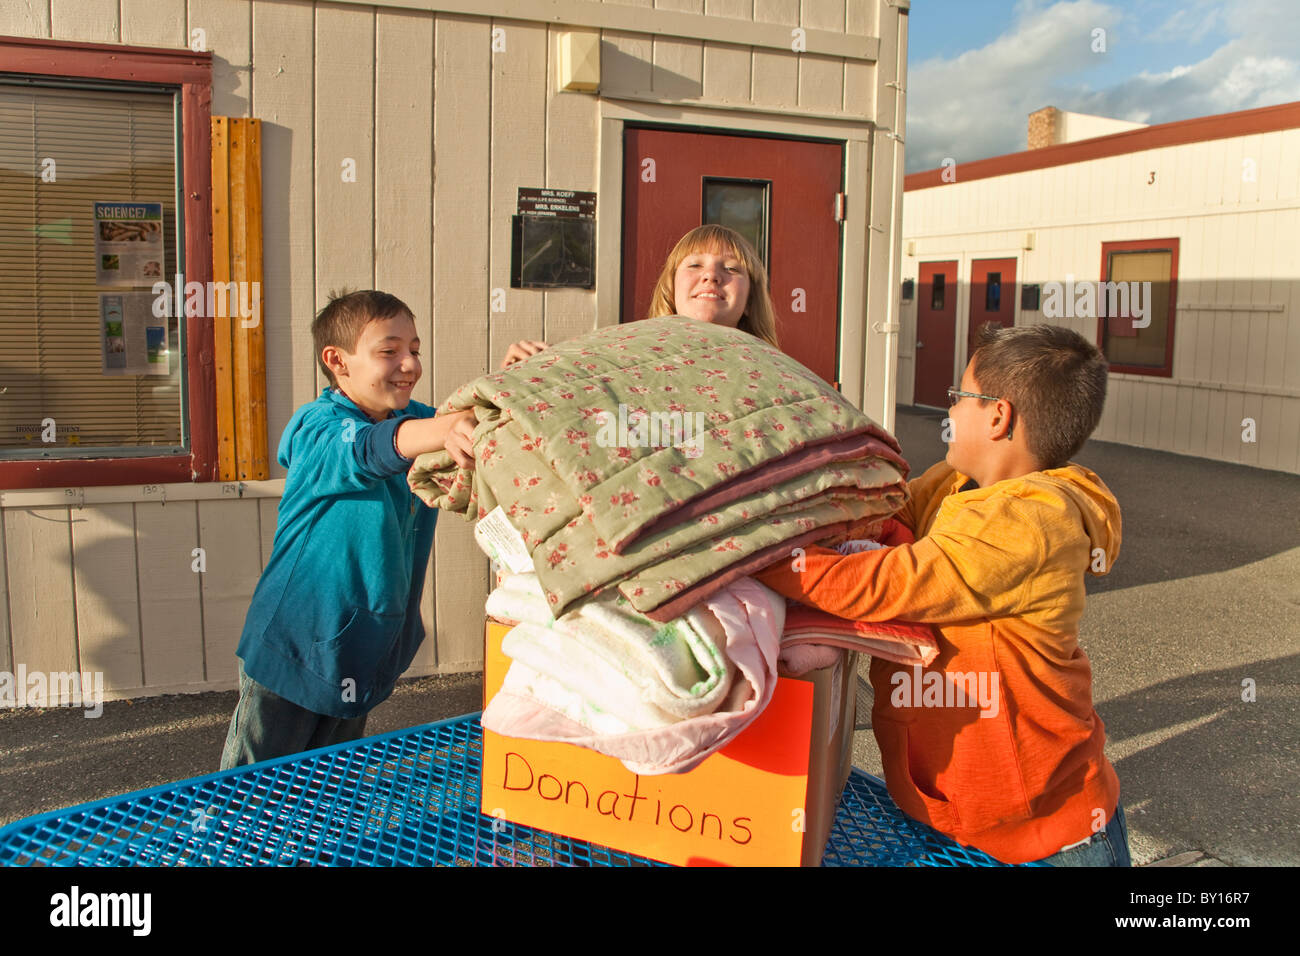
(405, 798)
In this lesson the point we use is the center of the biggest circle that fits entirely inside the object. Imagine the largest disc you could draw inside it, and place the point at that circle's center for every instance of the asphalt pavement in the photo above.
(1194, 639)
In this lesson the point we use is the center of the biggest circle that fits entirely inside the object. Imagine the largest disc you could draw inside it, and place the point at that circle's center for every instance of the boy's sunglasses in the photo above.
(954, 394)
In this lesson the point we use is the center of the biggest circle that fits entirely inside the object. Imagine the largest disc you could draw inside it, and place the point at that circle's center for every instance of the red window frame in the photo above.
(192, 72)
(1143, 245)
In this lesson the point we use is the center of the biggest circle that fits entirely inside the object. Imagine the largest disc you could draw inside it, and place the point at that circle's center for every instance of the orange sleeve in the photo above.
(924, 493)
(906, 516)
(977, 566)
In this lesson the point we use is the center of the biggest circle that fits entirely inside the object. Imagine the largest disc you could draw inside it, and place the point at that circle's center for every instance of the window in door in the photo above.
(936, 292)
(741, 204)
(993, 292)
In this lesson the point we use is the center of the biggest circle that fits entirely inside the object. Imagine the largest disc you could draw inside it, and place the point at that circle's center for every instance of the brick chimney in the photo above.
(1044, 127)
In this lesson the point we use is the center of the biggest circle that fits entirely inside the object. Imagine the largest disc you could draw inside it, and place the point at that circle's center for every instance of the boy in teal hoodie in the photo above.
(335, 617)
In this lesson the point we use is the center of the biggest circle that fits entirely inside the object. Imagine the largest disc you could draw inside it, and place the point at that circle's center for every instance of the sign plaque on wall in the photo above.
(553, 240)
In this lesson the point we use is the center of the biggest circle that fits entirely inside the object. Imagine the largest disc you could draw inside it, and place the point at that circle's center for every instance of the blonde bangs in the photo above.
(759, 317)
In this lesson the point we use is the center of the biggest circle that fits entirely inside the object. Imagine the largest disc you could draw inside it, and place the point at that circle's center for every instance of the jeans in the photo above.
(265, 726)
(1108, 847)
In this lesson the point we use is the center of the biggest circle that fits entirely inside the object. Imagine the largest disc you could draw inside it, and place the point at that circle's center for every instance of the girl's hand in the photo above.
(521, 350)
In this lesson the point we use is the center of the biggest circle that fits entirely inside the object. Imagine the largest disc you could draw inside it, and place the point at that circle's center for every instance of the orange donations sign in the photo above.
(743, 806)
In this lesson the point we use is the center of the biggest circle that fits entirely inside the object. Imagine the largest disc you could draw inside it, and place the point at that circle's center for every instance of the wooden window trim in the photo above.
(192, 72)
(1144, 245)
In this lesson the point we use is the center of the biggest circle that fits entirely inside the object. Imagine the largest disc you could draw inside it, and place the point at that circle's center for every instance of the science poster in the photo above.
(128, 243)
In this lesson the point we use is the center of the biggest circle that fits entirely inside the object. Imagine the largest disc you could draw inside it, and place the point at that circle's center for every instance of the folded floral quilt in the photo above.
(658, 456)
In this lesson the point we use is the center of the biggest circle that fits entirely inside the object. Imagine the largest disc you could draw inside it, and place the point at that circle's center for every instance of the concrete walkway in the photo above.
(1204, 596)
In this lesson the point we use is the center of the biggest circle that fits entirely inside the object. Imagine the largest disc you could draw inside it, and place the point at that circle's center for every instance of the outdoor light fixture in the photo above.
(579, 61)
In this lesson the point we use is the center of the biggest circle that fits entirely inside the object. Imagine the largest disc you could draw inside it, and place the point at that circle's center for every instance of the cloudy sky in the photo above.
(978, 68)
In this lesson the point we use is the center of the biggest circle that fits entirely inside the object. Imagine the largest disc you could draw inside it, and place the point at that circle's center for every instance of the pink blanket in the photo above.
(807, 628)
(751, 616)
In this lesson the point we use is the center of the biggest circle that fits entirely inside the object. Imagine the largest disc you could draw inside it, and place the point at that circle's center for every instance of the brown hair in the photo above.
(1054, 378)
(759, 317)
(346, 316)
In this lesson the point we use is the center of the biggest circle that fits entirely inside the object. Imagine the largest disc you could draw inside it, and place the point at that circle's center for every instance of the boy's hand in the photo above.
(460, 440)
(452, 431)
(521, 350)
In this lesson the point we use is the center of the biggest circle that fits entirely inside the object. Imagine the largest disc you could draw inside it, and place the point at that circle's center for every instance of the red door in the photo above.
(992, 296)
(779, 193)
(936, 332)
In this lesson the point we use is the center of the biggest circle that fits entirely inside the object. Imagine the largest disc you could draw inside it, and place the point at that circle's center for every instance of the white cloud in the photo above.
(1234, 77)
(977, 104)
(1192, 23)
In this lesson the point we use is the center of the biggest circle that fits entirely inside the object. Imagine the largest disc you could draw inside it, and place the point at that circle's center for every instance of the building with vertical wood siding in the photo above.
(1207, 209)
(311, 146)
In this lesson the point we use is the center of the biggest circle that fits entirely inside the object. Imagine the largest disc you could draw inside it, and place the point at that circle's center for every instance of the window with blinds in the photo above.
(90, 356)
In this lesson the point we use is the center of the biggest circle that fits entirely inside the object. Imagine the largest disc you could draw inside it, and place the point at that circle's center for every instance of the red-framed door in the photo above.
(675, 180)
(936, 332)
(992, 297)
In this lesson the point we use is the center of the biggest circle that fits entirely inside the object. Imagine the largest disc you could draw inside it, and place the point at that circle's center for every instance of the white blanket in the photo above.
(606, 665)
(659, 697)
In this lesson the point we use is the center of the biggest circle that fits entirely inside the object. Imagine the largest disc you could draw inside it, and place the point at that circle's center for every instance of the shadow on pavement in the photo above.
(1196, 762)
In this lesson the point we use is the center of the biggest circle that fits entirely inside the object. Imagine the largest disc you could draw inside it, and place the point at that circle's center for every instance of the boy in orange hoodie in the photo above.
(996, 743)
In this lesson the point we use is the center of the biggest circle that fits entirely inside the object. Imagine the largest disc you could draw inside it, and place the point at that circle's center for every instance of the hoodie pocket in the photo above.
(916, 795)
(357, 651)
(987, 764)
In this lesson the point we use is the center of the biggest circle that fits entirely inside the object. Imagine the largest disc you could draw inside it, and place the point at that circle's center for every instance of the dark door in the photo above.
(779, 193)
(992, 296)
(936, 332)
